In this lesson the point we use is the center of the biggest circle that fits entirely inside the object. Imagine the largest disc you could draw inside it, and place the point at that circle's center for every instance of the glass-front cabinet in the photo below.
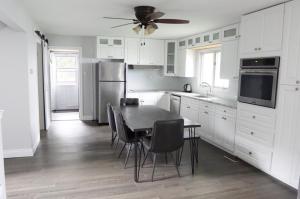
(230, 32)
(170, 63)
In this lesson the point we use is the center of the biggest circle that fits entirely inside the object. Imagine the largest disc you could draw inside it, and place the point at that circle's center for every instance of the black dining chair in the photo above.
(111, 122)
(167, 137)
(129, 101)
(124, 134)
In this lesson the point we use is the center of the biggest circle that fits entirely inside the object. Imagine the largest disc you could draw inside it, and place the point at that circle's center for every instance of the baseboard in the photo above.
(18, 153)
(87, 117)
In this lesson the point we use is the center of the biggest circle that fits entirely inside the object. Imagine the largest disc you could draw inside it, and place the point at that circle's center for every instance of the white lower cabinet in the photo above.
(225, 131)
(286, 158)
(217, 122)
(206, 119)
(255, 135)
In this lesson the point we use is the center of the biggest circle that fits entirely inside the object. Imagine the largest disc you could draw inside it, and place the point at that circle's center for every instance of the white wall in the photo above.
(18, 81)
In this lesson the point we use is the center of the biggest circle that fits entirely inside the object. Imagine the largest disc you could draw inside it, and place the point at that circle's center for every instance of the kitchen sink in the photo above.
(202, 96)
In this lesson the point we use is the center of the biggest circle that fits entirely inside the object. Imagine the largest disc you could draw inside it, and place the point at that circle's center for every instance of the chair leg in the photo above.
(112, 139)
(179, 162)
(154, 162)
(122, 150)
(128, 154)
(145, 158)
(117, 143)
(176, 163)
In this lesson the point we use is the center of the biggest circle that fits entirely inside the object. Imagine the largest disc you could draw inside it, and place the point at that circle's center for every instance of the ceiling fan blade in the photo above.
(123, 25)
(171, 21)
(154, 15)
(119, 18)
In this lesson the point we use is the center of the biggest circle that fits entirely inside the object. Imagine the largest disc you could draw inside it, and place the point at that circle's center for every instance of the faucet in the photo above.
(205, 84)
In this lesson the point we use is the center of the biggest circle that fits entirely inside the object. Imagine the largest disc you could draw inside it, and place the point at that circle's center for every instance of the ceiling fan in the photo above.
(147, 18)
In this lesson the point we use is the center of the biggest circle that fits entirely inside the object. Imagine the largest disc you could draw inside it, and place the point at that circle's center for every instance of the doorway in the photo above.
(64, 74)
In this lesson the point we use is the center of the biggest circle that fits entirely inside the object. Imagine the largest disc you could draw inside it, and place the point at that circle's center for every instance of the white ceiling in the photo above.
(84, 17)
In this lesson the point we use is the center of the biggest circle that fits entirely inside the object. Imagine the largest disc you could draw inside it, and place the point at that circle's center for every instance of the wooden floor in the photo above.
(74, 160)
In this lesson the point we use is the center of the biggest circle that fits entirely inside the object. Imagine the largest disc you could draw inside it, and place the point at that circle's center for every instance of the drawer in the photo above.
(255, 133)
(206, 105)
(190, 102)
(257, 115)
(225, 110)
(253, 154)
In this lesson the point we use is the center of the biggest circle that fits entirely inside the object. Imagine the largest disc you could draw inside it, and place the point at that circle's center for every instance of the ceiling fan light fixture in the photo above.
(137, 29)
(149, 29)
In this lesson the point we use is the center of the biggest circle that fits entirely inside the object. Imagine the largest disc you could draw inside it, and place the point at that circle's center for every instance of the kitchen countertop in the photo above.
(215, 100)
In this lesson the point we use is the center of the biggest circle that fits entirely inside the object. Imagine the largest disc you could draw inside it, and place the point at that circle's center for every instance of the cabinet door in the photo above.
(215, 37)
(206, 119)
(148, 98)
(229, 60)
(287, 132)
(132, 51)
(185, 63)
(189, 112)
(182, 43)
(290, 62)
(230, 32)
(170, 60)
(190, 42)
(251, 28)
(144, 52)
(272, 29)
(163, 101)
(198, 40)
(156, 52)
(206, 38)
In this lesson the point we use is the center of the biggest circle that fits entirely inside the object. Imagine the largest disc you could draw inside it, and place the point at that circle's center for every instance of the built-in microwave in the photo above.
(258, 81)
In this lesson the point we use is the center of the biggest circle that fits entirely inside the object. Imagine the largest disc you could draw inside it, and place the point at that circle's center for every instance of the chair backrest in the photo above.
(129, 101)
(167, 136)
(111, 117)
(120, 125)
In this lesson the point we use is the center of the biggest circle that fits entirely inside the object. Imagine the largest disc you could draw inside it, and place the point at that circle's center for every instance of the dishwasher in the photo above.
(175, 104)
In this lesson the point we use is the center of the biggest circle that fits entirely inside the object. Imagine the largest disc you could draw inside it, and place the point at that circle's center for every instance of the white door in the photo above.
(290, 63)
(65, 78)
(286, 147)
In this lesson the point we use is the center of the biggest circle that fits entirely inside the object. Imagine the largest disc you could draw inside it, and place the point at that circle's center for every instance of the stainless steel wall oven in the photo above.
(258, 81)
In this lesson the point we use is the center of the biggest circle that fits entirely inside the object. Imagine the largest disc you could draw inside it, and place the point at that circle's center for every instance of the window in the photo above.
(66, 68)
(210, 69)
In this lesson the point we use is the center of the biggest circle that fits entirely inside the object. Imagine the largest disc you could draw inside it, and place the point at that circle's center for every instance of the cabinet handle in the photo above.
(252, 133)
(259, 48)
(188, 107)
(224, 118)
(250, 153)
(296, 89)
(255, 49)
(225, 111)
(297, 82)
(206, 106)
(253, 116)
(205, 112)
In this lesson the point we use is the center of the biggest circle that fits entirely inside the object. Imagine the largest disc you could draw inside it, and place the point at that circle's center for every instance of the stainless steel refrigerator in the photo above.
(111, 86)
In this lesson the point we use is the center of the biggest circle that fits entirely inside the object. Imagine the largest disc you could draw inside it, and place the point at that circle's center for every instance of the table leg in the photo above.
(136, 178)
(193, 148)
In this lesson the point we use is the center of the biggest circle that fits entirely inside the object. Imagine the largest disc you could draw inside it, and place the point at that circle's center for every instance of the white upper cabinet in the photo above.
(197, 40)
(132, 50)
(190, 42)
(182, 44)
(229, 61)
(145, 52)
(290, 62)
(170, 57)
(185, 63)
(215, 37)
(110, 47)
(286, 155)
(230, 32)
(261, 32)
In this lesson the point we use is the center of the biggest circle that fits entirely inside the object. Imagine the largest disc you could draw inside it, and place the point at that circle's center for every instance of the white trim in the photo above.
(17, 153)
(87, 117)
(80, 76)
(35, 146)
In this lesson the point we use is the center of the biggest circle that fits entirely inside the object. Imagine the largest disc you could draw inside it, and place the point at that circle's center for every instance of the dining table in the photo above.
(142, 118)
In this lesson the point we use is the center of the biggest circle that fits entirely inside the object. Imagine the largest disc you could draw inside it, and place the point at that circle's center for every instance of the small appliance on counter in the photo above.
(187, 88)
